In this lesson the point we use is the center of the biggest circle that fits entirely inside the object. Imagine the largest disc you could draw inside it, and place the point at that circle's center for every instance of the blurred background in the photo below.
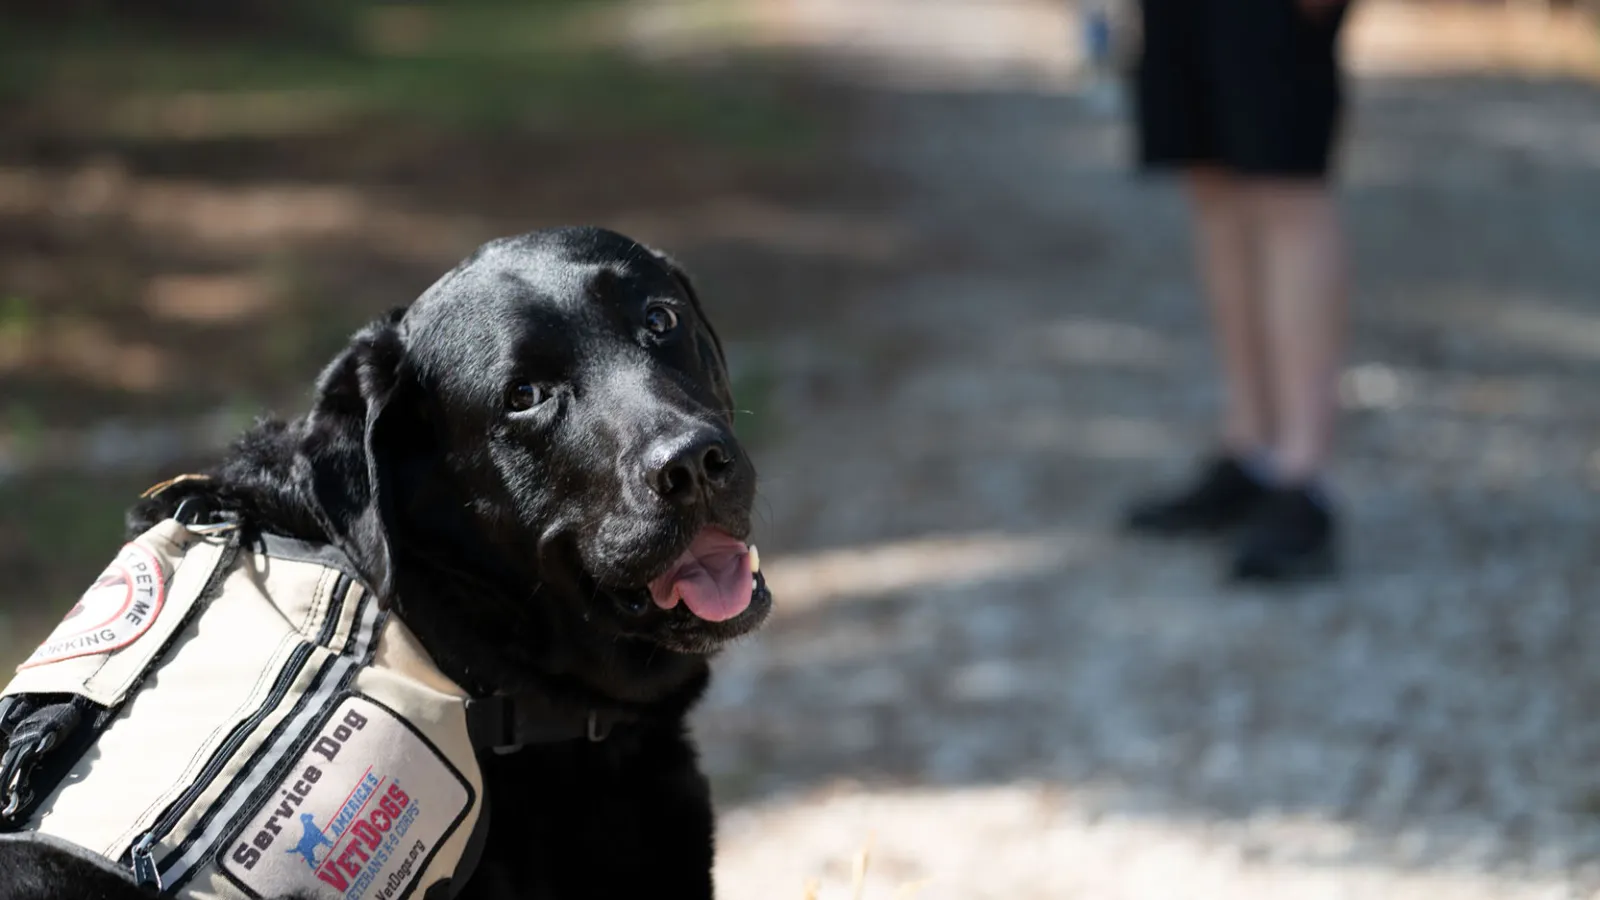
(965, 336)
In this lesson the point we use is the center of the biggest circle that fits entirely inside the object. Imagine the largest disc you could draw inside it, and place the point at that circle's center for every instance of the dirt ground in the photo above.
(965, 336)
(970, 670)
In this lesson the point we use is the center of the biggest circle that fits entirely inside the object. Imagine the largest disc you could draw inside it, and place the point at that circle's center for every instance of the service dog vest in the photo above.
(260, 727)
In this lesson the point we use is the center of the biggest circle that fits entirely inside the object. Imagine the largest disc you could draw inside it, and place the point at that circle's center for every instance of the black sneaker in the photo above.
(1292, 535)
(1222, 497)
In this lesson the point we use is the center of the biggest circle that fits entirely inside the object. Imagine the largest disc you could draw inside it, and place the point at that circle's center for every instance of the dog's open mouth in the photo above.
(711, 593)
(715, 578)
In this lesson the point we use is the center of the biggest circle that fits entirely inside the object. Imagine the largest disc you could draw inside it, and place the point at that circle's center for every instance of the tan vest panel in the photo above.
(277, 731)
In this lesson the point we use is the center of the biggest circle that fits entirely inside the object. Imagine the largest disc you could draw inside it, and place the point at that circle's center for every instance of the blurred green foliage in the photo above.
(478, 64)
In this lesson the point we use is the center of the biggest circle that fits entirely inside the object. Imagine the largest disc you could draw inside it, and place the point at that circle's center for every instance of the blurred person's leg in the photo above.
(1263, 88)
(1227, 257)
(1177, 129)
(1281, 107)
(1304, 298)
(1233, 480)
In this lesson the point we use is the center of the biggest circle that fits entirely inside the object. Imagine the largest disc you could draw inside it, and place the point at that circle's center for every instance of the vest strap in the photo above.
(507, 723)
(29, 742)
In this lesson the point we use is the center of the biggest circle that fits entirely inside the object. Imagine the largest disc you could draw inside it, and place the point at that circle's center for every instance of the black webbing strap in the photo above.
(507, 723)
(40, 745)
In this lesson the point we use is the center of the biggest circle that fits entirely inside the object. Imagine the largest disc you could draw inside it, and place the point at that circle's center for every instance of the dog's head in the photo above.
(551, 420)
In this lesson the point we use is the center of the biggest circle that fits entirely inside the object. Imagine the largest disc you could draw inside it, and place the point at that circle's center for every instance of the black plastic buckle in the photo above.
(491, 723)
(498, 724)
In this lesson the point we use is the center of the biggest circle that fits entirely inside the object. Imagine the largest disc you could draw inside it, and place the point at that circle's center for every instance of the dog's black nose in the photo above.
(681, 470)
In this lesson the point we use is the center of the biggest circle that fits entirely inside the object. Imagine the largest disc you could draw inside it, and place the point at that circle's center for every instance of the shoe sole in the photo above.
(1323, 564)
(1191, 532)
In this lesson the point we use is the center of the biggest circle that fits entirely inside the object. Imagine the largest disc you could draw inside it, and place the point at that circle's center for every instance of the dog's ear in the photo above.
(354, 437)
(687, 284)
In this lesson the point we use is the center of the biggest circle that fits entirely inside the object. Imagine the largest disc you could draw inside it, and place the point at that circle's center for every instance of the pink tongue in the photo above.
(712, 578)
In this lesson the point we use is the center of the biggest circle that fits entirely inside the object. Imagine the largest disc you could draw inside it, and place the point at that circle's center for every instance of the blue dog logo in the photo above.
(311, 840)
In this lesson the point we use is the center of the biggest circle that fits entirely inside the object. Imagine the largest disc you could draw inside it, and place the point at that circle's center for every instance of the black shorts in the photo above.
(1252, 86)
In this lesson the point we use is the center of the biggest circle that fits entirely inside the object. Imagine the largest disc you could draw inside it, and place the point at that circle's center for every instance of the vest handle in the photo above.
(41, 731)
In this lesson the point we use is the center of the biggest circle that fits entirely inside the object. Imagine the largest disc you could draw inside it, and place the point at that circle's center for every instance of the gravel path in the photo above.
(970, 670)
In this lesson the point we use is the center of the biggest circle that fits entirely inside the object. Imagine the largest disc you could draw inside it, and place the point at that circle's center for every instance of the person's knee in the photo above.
(1287, 199)
(1211, 187)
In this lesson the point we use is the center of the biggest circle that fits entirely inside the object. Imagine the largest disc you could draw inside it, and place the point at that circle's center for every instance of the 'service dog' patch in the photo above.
(114, 612)
(359, 815)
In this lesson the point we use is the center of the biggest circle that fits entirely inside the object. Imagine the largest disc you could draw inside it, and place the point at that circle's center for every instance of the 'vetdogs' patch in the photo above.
(117, 610)
(338, 826)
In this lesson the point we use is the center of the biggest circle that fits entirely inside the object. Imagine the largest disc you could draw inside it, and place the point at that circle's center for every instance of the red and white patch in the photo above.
(117, 610)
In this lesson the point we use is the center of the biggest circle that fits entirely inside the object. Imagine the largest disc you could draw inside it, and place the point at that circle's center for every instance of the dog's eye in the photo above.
(660, 319)
(526, 396)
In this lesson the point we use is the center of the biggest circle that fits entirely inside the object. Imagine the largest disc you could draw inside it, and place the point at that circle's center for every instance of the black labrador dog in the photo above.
(534, 465)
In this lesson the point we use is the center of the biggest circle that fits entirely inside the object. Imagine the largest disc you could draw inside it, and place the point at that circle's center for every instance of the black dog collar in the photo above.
(507, 723)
